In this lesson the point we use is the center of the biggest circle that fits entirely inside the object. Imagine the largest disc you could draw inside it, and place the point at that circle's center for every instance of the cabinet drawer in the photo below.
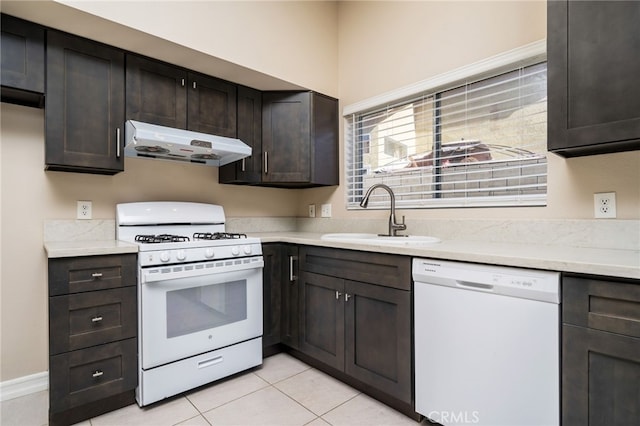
(375, 268)
(80, 274)
(87, 375)
(87, 319)
(602, 304)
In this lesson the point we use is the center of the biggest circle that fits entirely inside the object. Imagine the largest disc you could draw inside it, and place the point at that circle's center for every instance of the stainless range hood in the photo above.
(144, 140)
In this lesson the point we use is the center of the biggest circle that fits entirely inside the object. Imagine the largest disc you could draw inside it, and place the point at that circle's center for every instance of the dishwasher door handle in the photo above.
(475, 286)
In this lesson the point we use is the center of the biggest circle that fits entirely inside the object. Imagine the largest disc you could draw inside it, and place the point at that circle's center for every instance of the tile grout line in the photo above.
(200, 413)
(267, 384)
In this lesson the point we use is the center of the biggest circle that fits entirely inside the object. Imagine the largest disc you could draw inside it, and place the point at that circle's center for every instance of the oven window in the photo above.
(201, 308)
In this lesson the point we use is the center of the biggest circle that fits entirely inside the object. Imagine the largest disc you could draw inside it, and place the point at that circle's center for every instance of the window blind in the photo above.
(481, 143)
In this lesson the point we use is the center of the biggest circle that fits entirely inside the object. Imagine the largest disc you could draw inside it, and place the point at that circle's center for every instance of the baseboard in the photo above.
(24, 385)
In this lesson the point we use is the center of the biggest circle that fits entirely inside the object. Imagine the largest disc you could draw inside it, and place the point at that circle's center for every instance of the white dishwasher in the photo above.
(487, 344)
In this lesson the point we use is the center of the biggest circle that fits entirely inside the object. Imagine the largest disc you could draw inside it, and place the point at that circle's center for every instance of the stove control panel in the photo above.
(197, 254)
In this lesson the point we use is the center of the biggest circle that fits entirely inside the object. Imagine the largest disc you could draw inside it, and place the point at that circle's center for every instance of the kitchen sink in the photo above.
(361, 238)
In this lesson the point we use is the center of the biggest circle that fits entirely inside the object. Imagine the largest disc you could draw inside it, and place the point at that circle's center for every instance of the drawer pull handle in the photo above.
(211, 361)
(96, 275)
(96, 319)
(98, 373)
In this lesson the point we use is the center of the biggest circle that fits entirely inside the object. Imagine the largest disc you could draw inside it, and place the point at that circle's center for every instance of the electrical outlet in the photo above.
(84, 210)
(312, 210)
(325, 210)
(604, 204)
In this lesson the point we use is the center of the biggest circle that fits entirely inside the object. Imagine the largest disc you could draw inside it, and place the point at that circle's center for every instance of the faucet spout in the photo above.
(394, 226)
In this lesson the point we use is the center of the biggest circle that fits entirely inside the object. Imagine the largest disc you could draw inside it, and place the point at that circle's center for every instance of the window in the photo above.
(477, 143)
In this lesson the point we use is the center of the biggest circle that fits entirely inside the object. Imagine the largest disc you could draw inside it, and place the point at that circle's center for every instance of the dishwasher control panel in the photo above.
(517, 282)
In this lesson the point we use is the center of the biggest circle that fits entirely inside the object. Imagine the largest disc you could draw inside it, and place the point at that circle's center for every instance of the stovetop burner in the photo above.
(162, 238)
(217, 236)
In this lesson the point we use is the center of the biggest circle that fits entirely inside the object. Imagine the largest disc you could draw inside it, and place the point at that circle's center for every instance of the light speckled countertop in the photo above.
(606, 262)
(87, 248)
(597, 261)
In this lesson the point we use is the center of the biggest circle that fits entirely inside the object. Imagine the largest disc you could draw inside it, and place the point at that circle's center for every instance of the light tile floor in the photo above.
(284, 391)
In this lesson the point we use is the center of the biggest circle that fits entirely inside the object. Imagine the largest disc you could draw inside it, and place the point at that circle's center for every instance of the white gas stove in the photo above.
(199, 296)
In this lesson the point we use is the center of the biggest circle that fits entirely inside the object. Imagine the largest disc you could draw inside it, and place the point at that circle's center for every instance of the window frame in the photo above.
(525, 56)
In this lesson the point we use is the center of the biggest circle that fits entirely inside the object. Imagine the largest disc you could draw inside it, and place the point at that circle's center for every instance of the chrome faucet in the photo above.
(394, 227)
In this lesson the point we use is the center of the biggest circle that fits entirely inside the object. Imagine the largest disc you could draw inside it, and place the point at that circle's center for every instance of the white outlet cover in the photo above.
(312, 210)
(84, 210)
(604, 205)
(325, 210)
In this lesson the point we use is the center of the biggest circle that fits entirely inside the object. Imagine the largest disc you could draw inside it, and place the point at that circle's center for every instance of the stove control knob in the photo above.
(181, 255)
(246, 249)
(235, 250)
(164, 256)
(208, 253)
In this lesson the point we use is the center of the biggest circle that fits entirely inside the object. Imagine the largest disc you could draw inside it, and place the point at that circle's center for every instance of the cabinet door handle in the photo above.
(242, 168)
(98, 373)
(96, 319)
(194, 84)
(292, 276)
(118, 142)
(266, 163)
(182, 82)
(338, 294)
(96, 275)
(347, 296)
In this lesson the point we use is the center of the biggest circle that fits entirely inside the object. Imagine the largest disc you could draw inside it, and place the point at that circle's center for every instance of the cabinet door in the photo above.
(211, 106)
(286, 137)
(322, 318)
(271, 291)
(600, 378)
(84, 117)
(156, 92)
(378, 337)
(324, 140)
(593, 68)
(247, 170)
(22, 62)
(290, 317)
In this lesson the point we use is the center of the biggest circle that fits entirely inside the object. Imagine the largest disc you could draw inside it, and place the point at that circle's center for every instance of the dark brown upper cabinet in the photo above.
(299, 139)
(167, 95)
(84, 117)
(249, 119)
(593, 60)
(22, 63)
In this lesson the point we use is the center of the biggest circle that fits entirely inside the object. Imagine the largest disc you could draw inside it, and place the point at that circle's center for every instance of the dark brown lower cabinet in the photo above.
(280, 297)
(271, 294)
(600, 351)
(93, 365)
(360, 328)
(290, 305)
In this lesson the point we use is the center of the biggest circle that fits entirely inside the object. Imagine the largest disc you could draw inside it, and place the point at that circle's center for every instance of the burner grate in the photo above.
(217, 236)
(162, 238)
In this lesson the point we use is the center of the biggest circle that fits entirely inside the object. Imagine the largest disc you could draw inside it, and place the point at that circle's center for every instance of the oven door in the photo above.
(190, 309)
